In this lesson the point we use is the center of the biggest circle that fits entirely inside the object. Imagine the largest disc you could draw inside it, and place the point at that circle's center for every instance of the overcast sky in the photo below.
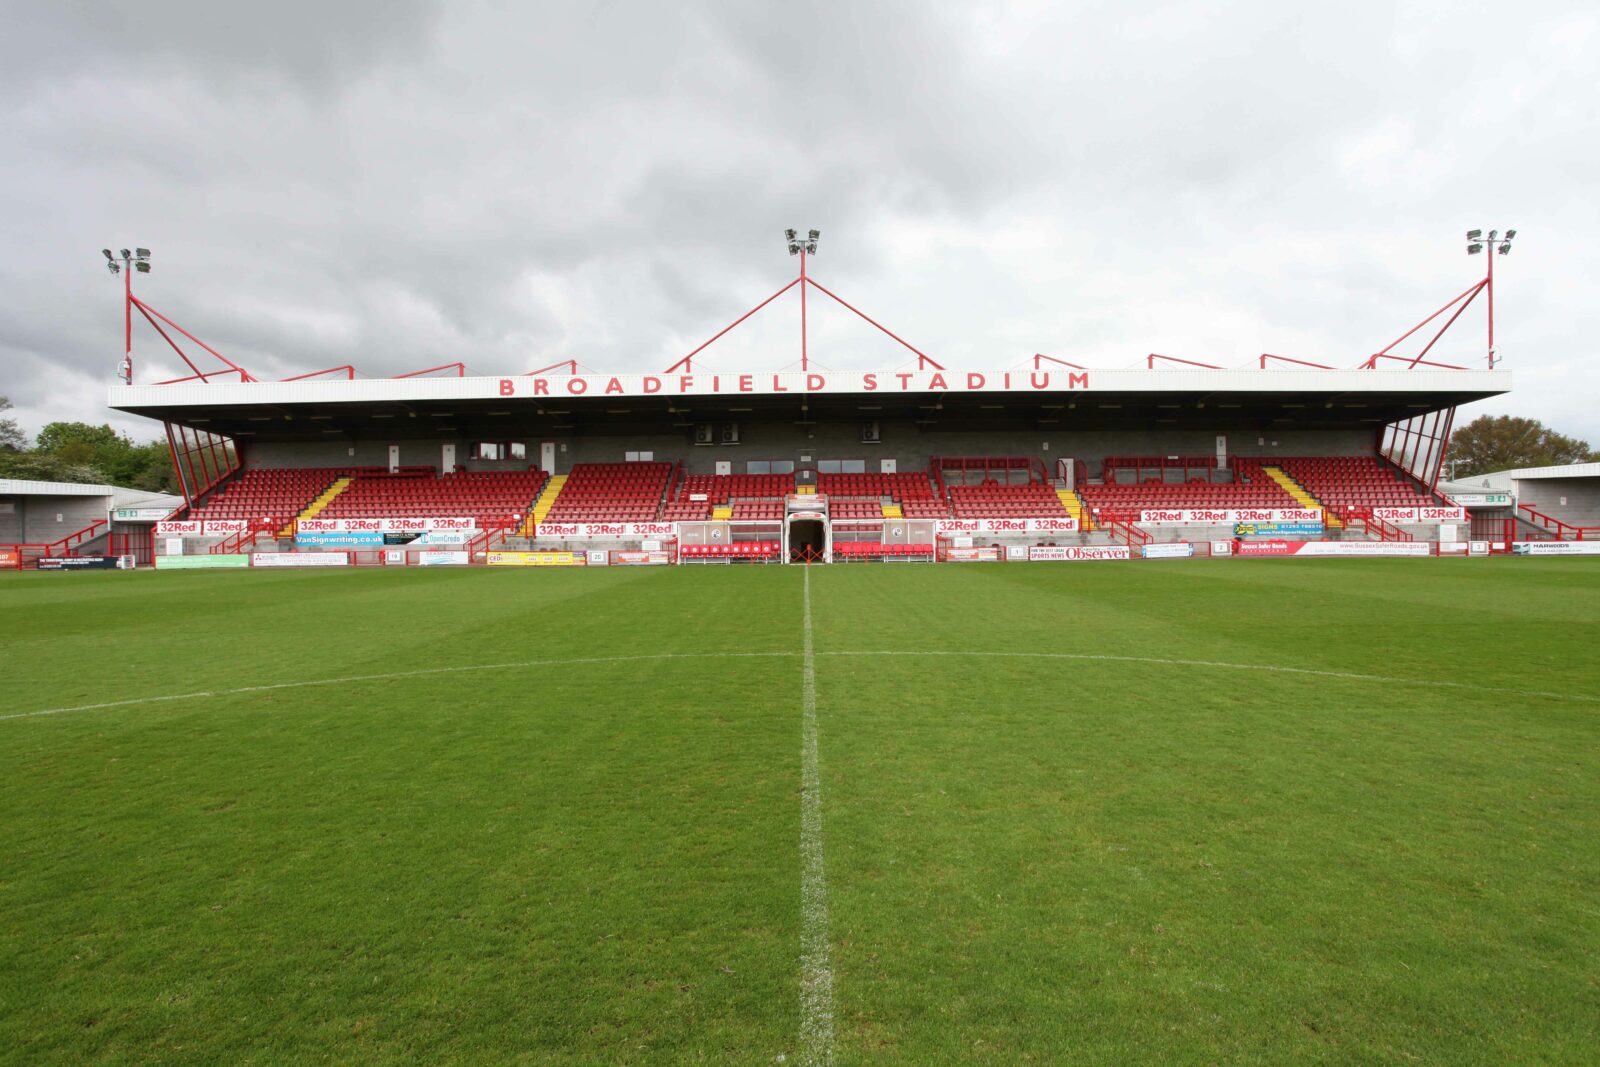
(402, 184)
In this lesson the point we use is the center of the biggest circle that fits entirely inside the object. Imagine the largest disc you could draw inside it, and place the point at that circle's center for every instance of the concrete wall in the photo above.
(1582, 507)
(910, 445)
(42, 519)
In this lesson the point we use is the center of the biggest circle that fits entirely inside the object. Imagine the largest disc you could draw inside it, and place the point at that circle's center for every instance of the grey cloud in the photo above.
(412, 184)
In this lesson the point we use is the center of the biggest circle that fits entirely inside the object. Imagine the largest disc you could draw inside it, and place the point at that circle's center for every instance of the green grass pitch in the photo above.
(1261, 812)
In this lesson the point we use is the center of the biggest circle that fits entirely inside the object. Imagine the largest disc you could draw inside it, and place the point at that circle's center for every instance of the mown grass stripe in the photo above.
(816, 972)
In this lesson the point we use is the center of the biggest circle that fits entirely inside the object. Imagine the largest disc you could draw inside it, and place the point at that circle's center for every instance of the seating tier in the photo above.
(611, 492)
(267, 493)
(483, 495)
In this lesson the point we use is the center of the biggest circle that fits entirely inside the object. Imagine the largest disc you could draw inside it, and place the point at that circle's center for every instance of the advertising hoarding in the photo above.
(1333, 548)
(536, 558)
(299, 559)
(1068, 553)
(1005, 527)
(229, 561)
(1555, 548)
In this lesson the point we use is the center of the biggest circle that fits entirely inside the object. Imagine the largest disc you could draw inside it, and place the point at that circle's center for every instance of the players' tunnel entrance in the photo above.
(808, 541)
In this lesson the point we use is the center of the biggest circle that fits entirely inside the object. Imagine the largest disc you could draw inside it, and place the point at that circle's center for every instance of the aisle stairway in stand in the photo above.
(316, 507)
(1300, 493)
(542, 506)
(892, 511)
(1076, 508)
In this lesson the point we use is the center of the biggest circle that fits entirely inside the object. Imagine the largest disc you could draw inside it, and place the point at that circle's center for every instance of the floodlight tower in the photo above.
(1495, 245)
(802, 248)
(137, 260)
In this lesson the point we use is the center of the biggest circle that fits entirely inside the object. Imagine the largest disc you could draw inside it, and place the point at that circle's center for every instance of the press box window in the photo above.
(499, 450)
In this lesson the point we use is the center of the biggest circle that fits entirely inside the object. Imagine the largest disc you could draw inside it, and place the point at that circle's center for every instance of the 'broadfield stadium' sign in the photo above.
(833, 382)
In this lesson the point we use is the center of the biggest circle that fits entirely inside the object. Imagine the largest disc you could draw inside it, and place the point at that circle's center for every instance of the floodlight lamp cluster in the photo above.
(138, 259)
(797, 245)
(1477, 243)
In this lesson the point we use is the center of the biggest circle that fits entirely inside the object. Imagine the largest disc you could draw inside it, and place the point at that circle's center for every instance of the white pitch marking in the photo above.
(816, 973)
(1222, 665)
(1155, 660)
(390, 677)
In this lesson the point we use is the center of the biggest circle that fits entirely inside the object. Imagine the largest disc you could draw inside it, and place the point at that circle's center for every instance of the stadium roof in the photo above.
(23, 487)
(949, 400)
(121, 496)
(1504, 479)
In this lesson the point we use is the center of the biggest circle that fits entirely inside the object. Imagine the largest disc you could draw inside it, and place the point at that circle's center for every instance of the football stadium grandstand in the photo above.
(1172, 457)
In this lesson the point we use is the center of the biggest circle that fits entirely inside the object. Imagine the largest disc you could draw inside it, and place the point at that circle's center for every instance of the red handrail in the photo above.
(349, 373)
(245, 538)
(1372, 363)
(65, 545)
(1386, 530)
(244, 376)
(1549, 522)
(85, 534)
(492, 529)
(1114, 522)
(459, 368)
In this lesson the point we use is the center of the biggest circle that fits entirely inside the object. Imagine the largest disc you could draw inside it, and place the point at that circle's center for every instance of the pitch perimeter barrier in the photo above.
(536, 558)
(209, 561)
(1332, 548)
(1555, 548)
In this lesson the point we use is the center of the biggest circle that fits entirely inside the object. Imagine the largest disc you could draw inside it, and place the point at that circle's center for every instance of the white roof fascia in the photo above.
(19, 487)
(719, 383)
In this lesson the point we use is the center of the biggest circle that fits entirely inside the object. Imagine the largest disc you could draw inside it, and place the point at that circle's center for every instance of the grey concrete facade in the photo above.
(29, 519)
(909, 445)
(1575, 501)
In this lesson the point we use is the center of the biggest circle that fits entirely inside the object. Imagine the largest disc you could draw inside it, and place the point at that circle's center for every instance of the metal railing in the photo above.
(1370, 523)
(1564, 531)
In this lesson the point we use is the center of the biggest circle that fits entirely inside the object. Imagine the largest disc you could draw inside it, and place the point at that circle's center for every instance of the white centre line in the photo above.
(816, 973)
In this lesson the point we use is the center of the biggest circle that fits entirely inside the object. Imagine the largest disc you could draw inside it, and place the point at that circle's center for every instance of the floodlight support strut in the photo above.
(148, 311)
(1467, 294)
(686, 364)
(923, 361)
(803, 280)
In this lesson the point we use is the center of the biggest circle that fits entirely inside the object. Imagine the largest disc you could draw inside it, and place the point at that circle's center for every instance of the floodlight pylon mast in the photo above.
(127, 324)
(805, 364)
(126, 268)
